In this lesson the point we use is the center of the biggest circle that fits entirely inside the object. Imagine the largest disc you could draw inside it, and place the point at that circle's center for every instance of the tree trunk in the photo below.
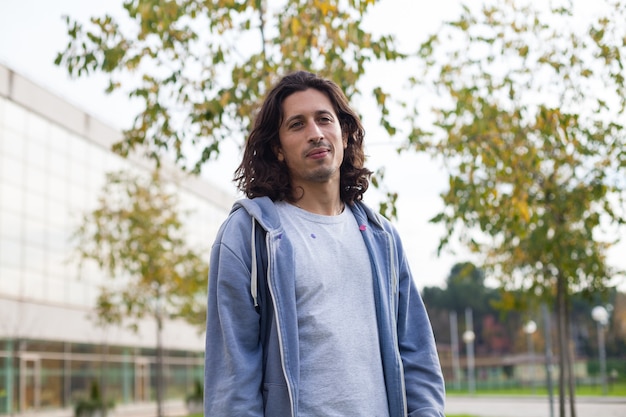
(560, 316)
(570, 358)
(547, 328)
(159, 364)
(103, 379)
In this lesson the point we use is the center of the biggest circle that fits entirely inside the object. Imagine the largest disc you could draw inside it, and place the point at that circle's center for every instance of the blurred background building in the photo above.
(53, 160)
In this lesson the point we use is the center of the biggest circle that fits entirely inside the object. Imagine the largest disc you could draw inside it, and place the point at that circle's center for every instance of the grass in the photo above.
(617, 389)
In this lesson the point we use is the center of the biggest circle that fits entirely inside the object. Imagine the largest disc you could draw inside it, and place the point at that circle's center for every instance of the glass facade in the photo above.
(51, 173)
(33, 380)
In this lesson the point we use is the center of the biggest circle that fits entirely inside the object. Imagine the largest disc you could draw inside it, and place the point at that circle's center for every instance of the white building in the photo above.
(53, 160)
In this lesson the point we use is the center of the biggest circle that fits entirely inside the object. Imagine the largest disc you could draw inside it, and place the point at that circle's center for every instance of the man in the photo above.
(312, 310)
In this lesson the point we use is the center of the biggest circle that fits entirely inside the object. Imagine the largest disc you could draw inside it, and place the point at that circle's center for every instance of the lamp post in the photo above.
(529, 328)
(454, 338)
(601, 316)
(468, 338)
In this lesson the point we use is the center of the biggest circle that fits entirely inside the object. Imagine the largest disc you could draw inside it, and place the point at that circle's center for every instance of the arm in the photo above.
(425, 388)
(233, 356)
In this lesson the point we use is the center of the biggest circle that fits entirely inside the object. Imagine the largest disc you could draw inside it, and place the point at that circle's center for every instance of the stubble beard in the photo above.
(322, 174)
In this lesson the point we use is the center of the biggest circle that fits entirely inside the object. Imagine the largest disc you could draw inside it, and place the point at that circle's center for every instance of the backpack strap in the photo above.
(258, 280)
(254, 267)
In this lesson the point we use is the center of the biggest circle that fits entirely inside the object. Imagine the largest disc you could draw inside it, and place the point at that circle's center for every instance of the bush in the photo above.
(93, 405)
(617, 365)
(195, 400)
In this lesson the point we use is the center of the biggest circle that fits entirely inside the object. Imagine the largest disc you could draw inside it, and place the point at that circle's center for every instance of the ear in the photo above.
(345, 141)
(279, 154)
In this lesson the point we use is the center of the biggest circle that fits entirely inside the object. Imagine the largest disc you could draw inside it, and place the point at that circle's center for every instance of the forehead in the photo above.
(307, 101)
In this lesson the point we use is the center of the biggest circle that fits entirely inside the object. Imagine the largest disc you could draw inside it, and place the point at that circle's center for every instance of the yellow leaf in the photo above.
(225, 99)
(521, 207)
(295, 26)
(325, 7)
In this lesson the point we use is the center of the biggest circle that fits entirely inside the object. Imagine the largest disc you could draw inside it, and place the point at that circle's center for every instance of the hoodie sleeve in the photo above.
(425, 388)
(233, 355)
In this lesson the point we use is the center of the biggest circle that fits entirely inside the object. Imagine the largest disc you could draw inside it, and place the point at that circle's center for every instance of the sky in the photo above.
(32, 32)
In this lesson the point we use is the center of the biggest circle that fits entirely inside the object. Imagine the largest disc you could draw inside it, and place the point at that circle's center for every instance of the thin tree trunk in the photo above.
(570, 358)
(547, 328)
(103, 379)
(560, 314)
(159, 365)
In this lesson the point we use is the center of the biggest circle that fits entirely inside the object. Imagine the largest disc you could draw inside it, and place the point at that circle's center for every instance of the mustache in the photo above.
(322, 144)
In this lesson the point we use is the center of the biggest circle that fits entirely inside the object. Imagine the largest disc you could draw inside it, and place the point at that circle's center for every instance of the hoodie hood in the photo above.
(265, 214)
(262, 211)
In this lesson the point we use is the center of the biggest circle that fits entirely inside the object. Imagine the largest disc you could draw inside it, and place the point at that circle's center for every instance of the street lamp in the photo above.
(529, 328)
(601, 316)
(468, 338)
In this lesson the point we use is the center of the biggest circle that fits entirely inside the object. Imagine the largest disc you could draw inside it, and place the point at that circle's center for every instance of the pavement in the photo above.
(478, 406)
(535, 406)
(171, 408)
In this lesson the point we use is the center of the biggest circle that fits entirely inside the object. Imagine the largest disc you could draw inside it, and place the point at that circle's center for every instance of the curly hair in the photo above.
(262, 174)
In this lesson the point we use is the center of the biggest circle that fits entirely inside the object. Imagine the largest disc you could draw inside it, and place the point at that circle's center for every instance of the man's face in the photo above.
(311, 141)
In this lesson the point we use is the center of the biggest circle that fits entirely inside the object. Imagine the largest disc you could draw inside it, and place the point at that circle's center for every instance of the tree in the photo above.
(464, 289)
(529, 121)
(136, 236)
(200, 68)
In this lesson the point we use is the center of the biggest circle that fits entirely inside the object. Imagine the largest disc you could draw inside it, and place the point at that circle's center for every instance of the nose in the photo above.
(314, 133)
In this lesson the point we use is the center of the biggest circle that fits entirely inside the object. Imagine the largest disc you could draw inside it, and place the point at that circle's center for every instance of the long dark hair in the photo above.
(262, 174)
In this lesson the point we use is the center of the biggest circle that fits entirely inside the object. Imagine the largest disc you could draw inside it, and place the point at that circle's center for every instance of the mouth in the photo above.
(318, 153)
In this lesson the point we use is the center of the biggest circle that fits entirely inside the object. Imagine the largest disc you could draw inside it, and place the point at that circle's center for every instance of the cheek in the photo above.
(281, 149)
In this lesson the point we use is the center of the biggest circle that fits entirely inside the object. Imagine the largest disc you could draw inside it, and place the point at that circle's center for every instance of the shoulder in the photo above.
(246, 212)
(236, 227)
(365, 213)
(261, 209)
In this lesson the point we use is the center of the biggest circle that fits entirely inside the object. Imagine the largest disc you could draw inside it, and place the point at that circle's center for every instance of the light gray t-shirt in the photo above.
(340, 364)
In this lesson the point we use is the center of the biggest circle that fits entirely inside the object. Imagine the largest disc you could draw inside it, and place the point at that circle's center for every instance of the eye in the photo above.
(295, 125)
(326, 119)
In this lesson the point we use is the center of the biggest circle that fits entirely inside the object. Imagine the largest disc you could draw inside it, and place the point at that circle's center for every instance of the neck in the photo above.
(326, 205)
(324, 211)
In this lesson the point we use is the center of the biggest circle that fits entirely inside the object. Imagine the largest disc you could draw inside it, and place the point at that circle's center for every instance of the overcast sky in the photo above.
(33, 32)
